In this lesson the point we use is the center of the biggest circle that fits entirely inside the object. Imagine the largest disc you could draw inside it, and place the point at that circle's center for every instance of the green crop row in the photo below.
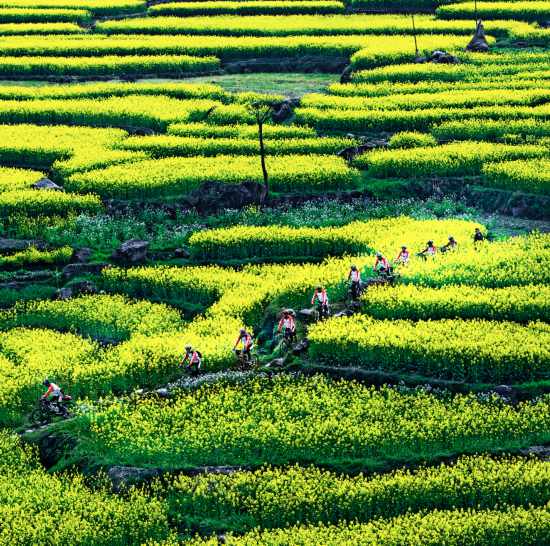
(48, 15)
(443, 99)
(271, 498)
(33, 257)
(454, 159)
(506, 527)
(37, 507)
(108, 318)
(524, 11)
(250, 242)
(473, 69)
(399, 49)
(421, 119)
(270, 132)
(168, 145)
(519, 261)
(292, 25)
(476, 351)
(114, 89)
(97, 7)
(10, 296)
(155, 112)
(285, 420)
(531, 176)
(250, 7)
(108, 65)
(381, 49)
(384, 88)
(14, 179)
(39, 28)
(178, 176)
(519, 304)
(48, 203)
(491, 130)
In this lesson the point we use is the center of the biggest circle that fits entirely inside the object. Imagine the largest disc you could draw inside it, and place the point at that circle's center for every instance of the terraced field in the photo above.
(168, 178)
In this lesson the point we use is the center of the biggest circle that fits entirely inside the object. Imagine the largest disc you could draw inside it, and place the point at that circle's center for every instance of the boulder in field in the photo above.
(132, 251)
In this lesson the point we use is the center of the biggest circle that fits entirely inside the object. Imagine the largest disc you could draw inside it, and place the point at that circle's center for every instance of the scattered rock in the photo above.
(84, 287)
(163, 393)
(46, 184)
(123, 477)
(81, 255)
(132, 251)
(284, 112)
(345, 77)
(504, 390)
(442, 57)
(308, 314)
(478, 42)
(353, 151)
(75, 270)
(64, 294)
(542, 452)
(182, 253)
(421, 60)
(15, 245)
(276, 363)
(221, 539)
(301, 347)
(214, 196)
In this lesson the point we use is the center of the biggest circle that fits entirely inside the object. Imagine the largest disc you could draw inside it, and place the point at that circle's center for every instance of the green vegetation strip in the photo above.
(271, 498)
(248, 7)
(284, 420)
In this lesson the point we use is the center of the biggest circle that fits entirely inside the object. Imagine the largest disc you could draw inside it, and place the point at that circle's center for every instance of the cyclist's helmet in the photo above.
(451, 238)
(318, 288)
(243, 331)
(353, 267)
(378, 254)
(188, 347)
(46, 382)
(403, 247)
(430, 243)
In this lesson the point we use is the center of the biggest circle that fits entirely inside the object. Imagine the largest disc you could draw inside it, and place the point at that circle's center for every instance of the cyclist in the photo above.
(478, 236)
(247, 343)
(381, 266)
(320, 300)
(430, 250)
(288, 326)
(193, 358)
(54, 391)
(451, 245)
(355, 277)
(403, 256)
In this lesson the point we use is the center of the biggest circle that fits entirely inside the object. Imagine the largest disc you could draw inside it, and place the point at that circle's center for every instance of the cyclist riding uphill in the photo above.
(451, 245)
(193, 358)
(403, 256)
(320, 300)
(381, 265)
(354, 277)
(287, 325)
(430, 250)
(54, 391)
(245, 342)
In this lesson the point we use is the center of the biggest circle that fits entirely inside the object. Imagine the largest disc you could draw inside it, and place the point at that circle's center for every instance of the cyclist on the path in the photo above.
(54, 391)
(478, 236)
(381, 265)
(320, 300)
(354, 277)
(429, 251)
(193, 358)
(451, 245)
(403, 256)
(287, 325)
(246, 342)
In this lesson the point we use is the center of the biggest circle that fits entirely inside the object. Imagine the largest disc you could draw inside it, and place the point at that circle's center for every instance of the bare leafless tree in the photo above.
(262, 113)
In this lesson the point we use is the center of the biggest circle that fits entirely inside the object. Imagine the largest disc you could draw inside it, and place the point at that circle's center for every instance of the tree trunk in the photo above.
(262, 159)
